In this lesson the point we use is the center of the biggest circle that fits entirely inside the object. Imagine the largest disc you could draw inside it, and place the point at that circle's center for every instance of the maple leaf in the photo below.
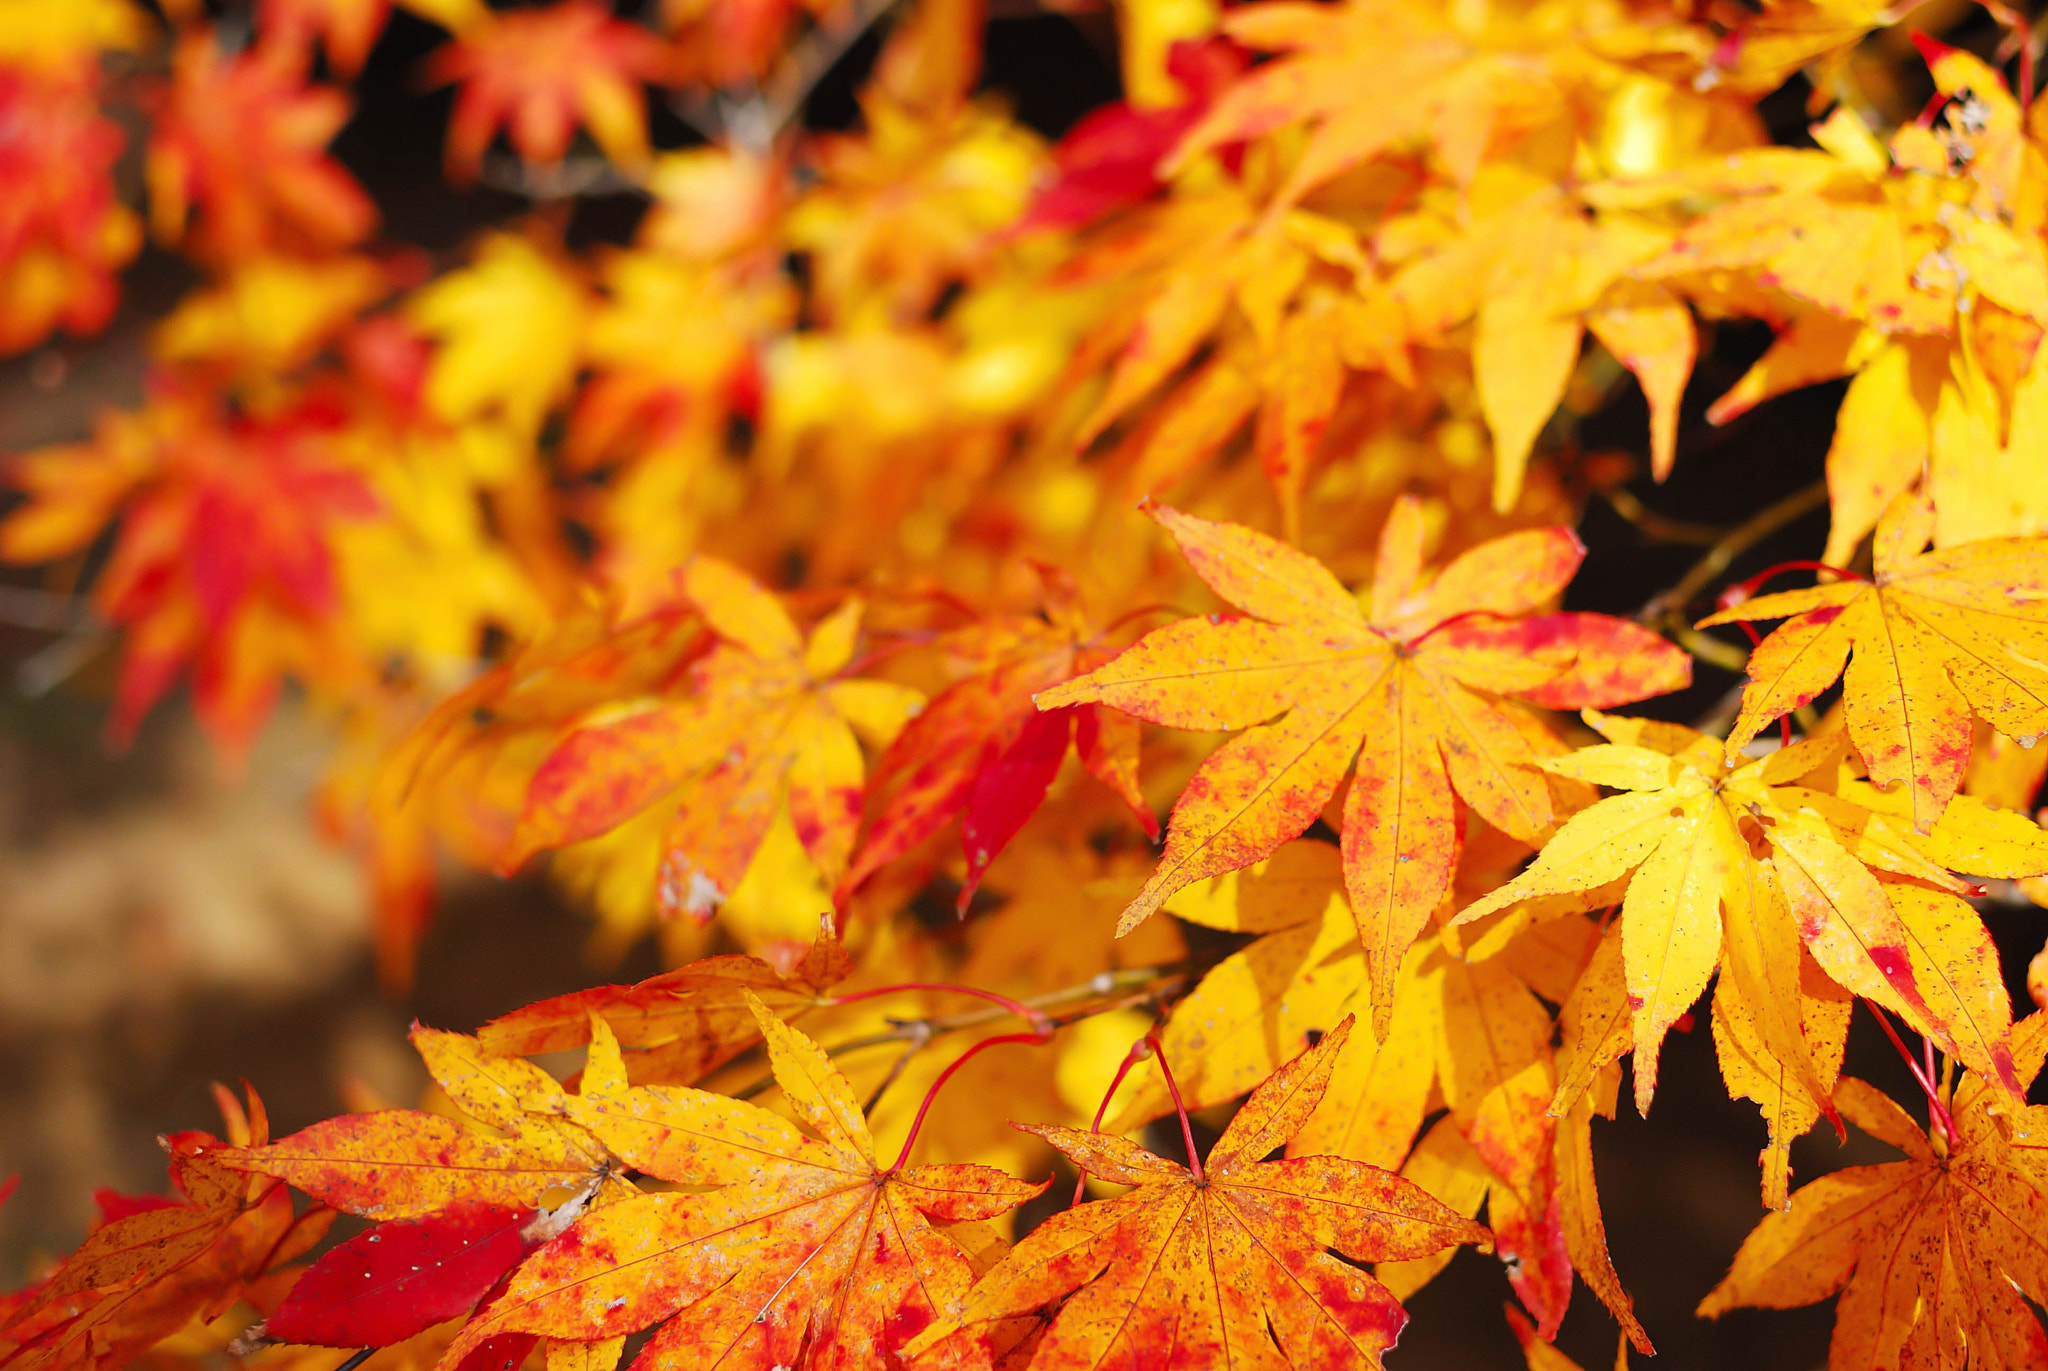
(1931, 637)
(810, 1251)
(237, 163)
(510, 326)
(153, 1265)
(1276, 295)
(894, 219)
(347, 29)
(429, 583)
(459, 777)
(980, 751)
(583, 661)
(1932, 1254)
(1748, 1043)
(1898, 263)
(1520, 257)
(1110, 159)
(1474, 92)
(270, 315)
(658, 390)
(769, 723)
(538, 72)
(1739, 863)
(1415, 689)
(1467, 1032)
(1474, 1034)
(399, 1279)
(1224, 1261)
(681, 1024)
(1584, 1228)
(404, 1163)
(222, 561)
(63, 230)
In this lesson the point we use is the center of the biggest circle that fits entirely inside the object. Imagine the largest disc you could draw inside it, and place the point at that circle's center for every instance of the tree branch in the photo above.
(1663, 608)
(1099, 994)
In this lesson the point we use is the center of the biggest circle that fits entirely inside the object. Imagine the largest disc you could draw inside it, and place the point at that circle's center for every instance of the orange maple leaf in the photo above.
(1534, 271)
(238, 161)
(347, 28)
(1414, 689)
(1932, 1254)
(1225, 1261)
(1277, 299)
(1899, 264)
(680, 1024)
(153, 1265)
(1931, 637)
(768, 723)
(63, 230)
(459, 778)
(402, 1163)
(538, 72)
(1467, 1032)
(810, 1251)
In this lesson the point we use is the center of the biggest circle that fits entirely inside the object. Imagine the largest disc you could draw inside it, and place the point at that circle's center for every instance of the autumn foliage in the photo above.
(1099, 603)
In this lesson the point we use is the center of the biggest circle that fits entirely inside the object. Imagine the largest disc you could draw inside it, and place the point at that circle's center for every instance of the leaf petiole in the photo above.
(1032, 1015)
(910, 1139)
(1140, 1050)
(1187, 1131)
(1942, 1123)
(1756, 640)
(1743, 590)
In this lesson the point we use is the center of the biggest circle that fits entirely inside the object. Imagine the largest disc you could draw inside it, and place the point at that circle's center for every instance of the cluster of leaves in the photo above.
(772, 562)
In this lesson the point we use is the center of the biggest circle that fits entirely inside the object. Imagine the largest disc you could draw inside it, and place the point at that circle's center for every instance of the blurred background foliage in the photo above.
(822, 196)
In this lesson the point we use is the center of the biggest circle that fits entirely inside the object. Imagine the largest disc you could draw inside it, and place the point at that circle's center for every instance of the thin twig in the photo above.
(812, 56)
(60, 659)
(1024, 1011)
(1147, 983)
(569, 179)
(753, 118)
(1663, 609)
(1707, 647)
(910, 1049)
(48, 610)
(1655, 526)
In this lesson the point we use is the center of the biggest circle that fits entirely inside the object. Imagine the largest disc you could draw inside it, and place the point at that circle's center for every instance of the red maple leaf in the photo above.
(239, 156)
(538, 73)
